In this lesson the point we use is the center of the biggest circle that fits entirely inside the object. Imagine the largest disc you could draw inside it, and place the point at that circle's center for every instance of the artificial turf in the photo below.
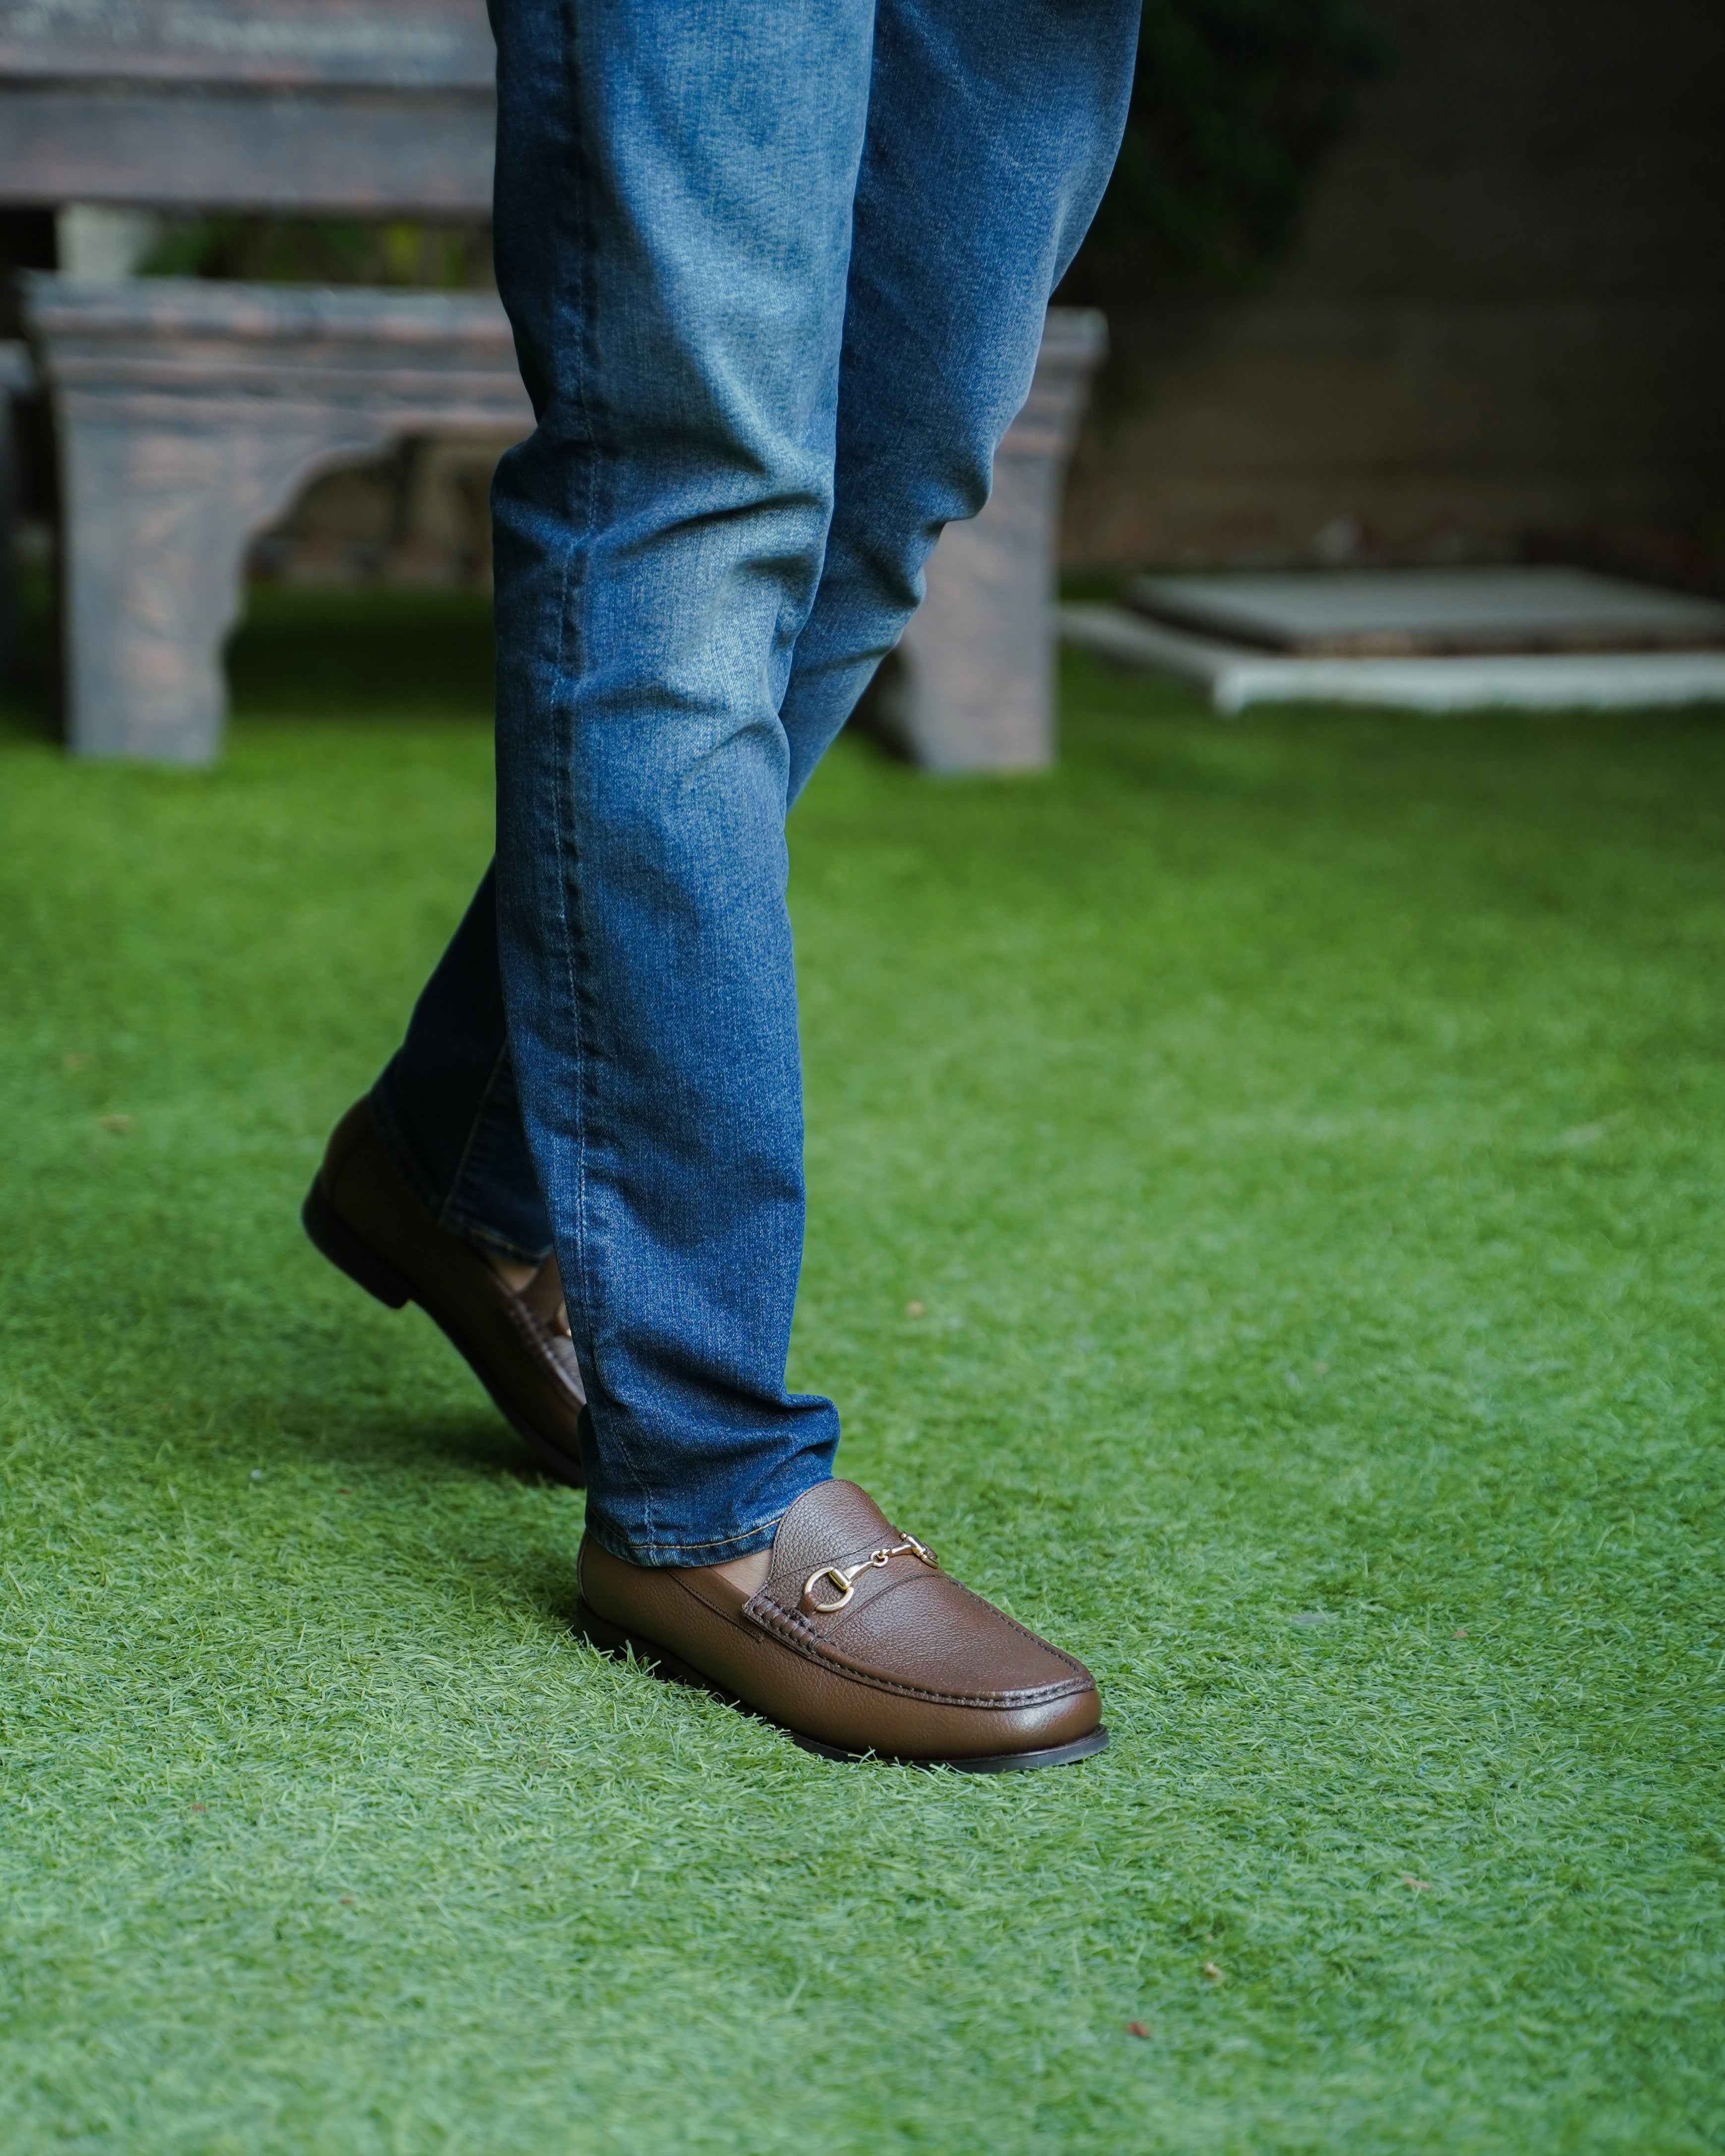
(1265, 1229)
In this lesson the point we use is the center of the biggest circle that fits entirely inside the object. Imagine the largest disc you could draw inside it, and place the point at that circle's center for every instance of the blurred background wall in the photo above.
(1389, 281)
(1495, 327)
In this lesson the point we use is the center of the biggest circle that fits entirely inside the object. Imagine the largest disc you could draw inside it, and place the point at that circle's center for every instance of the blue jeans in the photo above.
(776, 271)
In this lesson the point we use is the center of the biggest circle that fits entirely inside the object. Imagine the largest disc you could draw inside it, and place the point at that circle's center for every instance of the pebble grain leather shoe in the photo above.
(363, 1217)
(857, 1643)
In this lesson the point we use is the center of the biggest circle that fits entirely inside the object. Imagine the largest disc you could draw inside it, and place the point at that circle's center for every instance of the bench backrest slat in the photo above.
(367, 105)
(419, 44)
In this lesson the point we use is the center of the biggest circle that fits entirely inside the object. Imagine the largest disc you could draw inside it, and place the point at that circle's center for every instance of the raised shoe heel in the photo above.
(332, 1237)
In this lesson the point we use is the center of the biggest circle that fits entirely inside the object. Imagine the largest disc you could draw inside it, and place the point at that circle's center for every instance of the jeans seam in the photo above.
(563, 817)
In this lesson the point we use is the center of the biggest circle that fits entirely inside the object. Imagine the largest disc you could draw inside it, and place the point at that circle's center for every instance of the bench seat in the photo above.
(190, 413)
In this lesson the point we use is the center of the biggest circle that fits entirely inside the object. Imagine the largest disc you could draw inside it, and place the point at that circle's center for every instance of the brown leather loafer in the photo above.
(364, 1217)
(858, 1644)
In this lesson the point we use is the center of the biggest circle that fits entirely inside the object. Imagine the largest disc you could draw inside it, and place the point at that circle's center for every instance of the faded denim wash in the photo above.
(776, 271)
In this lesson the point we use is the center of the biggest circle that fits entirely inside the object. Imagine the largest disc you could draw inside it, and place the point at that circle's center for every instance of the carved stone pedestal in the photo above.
(973, 686)
(189, 415)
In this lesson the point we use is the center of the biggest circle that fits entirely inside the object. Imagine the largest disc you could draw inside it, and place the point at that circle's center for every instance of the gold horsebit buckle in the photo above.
(844, 1577)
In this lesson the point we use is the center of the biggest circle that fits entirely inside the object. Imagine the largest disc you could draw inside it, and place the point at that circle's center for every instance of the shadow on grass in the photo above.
(29, 693)
(365, 654)
(447, 1491)
(309, 1427)
(300, 654)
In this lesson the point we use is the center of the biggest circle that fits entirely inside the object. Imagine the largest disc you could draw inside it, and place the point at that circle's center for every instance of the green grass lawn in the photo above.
(1266, 1229)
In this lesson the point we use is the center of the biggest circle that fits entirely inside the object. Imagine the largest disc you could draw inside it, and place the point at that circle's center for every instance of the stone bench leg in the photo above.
(17, 379)
(156, 515)
(188, 416)
(973, 689)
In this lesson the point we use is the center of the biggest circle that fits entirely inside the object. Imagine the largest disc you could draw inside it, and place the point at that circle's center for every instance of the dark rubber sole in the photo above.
(333, 1239)
(622, 1646)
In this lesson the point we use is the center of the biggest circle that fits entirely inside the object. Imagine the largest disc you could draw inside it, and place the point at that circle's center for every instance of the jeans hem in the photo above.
(743, 1543)
(394, 1140)
(479, 1237)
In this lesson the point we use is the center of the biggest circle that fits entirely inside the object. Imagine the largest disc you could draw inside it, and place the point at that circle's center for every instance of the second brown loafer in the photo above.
(362, 1215)
(857, 1644)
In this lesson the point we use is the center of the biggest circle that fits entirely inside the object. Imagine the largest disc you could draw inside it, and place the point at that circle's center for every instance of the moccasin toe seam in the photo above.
(793, 1630)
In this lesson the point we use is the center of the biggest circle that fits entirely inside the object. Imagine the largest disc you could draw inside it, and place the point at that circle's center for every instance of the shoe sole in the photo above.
(620, 1645)
(333, 1239)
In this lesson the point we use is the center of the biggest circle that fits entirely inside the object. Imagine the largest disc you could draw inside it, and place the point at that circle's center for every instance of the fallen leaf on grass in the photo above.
(1419, 1886)
(1136, 2028)
(1211, 1972)
(1459, 1632)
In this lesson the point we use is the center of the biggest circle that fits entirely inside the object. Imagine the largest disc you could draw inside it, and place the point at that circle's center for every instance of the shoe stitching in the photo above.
(538, 1337)
(535, 1337)
(794, 1631)
(998, 1702)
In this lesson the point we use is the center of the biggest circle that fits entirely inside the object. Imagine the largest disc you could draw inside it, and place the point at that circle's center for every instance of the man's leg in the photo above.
(427, 1195)
(990, 136)
(674, 228)
(674, 199)
(446, 1106)
(674, 244)
(994, 126)
(991, 127)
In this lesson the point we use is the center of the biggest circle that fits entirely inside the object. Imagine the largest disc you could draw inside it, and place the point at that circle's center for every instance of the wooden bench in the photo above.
(189, 413)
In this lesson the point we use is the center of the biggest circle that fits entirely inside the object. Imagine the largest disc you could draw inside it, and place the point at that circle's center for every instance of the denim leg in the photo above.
(674, 218)
(994, 126)
(446, 1106)
(674, 196)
